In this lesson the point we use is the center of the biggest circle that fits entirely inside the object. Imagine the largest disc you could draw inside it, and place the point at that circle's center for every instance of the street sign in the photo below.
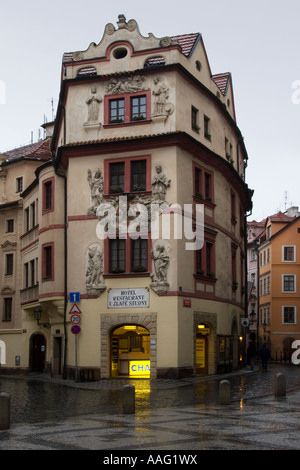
(75, 319)
(75, 309)
(75, 329)
(74, 296)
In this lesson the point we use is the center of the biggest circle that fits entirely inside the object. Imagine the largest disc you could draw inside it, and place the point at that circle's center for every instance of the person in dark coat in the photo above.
(251, 353)
(264, 355)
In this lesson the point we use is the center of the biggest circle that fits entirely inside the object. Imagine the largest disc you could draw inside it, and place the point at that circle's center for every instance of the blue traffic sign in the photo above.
(76, 329)
(74, 296)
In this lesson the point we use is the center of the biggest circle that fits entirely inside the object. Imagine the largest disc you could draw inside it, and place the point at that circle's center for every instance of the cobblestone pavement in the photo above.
(170, 415)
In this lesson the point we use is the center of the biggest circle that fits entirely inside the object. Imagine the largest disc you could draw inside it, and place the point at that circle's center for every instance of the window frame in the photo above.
(127, 98)
(294, 322)
(127, 173)
(288, 291)
(46, 276)
(200, 175)
(129, 247)
(284, 247)
(9, 264)
(7, 309)
(49, 182)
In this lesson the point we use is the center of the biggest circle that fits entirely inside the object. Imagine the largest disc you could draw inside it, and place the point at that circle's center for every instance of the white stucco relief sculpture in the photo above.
(94, 270)
(93, 102)
(125, 85)
(96, 185)
(160, 263)
(160, 183)
(161, 95)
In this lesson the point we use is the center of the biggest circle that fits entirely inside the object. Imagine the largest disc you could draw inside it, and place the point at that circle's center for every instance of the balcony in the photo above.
(30, 237)
(29, 294)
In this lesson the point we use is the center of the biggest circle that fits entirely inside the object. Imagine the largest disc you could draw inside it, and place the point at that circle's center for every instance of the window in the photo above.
(138, 108)
(289, 254)
(127, 108)
(7, 310)
(48, 195)
(127, 175)
(9, 264)
(139, 255)
(47, 263)
(117, 256)
(289, 284)
(203, 184)
(117, 177)
(233, 208)
(289, 314)
(138, 175)
(195, 119)
(19, 184)
(10, 226)
(116, 111)
(207, 133)
(205, 260)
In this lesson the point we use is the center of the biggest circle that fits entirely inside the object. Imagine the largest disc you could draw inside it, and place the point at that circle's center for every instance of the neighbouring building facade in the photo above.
(145, 139)
(273, 276)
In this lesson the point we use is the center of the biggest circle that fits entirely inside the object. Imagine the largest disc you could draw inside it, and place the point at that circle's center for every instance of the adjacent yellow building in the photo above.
(145, 144)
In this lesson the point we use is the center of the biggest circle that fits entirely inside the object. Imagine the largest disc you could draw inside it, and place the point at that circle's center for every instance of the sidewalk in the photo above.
(267, 423)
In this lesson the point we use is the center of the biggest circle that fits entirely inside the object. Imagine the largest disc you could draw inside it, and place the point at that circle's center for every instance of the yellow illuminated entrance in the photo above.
(130, 352)
(201, 349)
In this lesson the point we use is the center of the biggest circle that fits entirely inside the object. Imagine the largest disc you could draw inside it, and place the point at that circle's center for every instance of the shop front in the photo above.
(130, 352)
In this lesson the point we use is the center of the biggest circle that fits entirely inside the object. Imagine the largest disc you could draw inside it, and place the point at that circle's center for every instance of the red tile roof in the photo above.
(222, 81)
(187, 42)
(37, 151)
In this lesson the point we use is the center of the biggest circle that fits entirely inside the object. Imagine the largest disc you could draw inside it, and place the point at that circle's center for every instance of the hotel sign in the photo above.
(128, 298)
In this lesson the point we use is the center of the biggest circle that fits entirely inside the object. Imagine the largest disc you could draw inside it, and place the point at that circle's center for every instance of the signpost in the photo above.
(75, 319)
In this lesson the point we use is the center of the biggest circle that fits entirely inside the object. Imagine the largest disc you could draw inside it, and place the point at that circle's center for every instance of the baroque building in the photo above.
(139, 249)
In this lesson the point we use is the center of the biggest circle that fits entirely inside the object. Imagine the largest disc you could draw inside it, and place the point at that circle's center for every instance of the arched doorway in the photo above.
(287, 348)
(37, 352)
(130, 351)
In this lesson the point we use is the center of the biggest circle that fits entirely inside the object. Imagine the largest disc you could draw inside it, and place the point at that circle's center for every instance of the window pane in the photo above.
(139, 254)
(138, 107)
(138, 175)
(117, 255)
(117, 177)
(116, 108)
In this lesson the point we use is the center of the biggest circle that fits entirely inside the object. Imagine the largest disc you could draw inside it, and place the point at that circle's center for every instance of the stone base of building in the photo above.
(174, 372)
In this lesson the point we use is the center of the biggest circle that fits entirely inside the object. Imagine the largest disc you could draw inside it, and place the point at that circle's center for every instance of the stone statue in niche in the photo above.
(125, 85)
(94, 270)
(161, 94)
(96, 184)
(93, 103)
(160, 183)
(161, 261)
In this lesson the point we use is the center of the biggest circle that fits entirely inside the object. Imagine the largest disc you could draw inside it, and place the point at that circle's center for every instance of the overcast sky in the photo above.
(257, 41)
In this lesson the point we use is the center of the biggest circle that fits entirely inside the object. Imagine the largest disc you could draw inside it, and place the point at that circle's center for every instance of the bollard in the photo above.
(4, 411)
(128, 399)
(280, 387)
(224, 392)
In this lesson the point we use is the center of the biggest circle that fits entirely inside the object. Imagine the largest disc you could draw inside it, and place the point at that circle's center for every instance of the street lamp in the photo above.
(37, 315)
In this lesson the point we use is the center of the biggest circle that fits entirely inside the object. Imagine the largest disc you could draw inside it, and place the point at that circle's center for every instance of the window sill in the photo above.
(127, 274)
(126, 123)
(204, 278)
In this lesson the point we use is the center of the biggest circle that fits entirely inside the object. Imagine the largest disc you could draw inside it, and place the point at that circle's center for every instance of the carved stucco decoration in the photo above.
(95, 180)
(161, 95)
(94, 270)
(93, 103)
(160, 255)
(125, 85)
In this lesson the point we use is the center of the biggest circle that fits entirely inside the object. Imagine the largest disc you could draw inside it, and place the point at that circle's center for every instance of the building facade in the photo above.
(146, 160)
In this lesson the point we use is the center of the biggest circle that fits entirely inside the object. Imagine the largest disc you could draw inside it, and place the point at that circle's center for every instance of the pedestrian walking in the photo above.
(264, 355)
(251, 353)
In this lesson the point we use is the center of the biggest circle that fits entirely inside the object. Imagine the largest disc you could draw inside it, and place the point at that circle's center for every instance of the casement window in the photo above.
(203, 184)
(207, 131)
(288, 314)
(7, 309)
(127, 256)
(9, 264)
(195, 119)
(48, 262)
(10, 224)
(19, 184)
(289, 253)
(128, 108)
(139, 255)
(288, 283)
(205, 260)
(117, 255)
(48, 195)
(127, 175)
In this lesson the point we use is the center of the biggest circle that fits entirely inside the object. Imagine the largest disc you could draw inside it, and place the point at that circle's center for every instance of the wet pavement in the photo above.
(183, 415)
